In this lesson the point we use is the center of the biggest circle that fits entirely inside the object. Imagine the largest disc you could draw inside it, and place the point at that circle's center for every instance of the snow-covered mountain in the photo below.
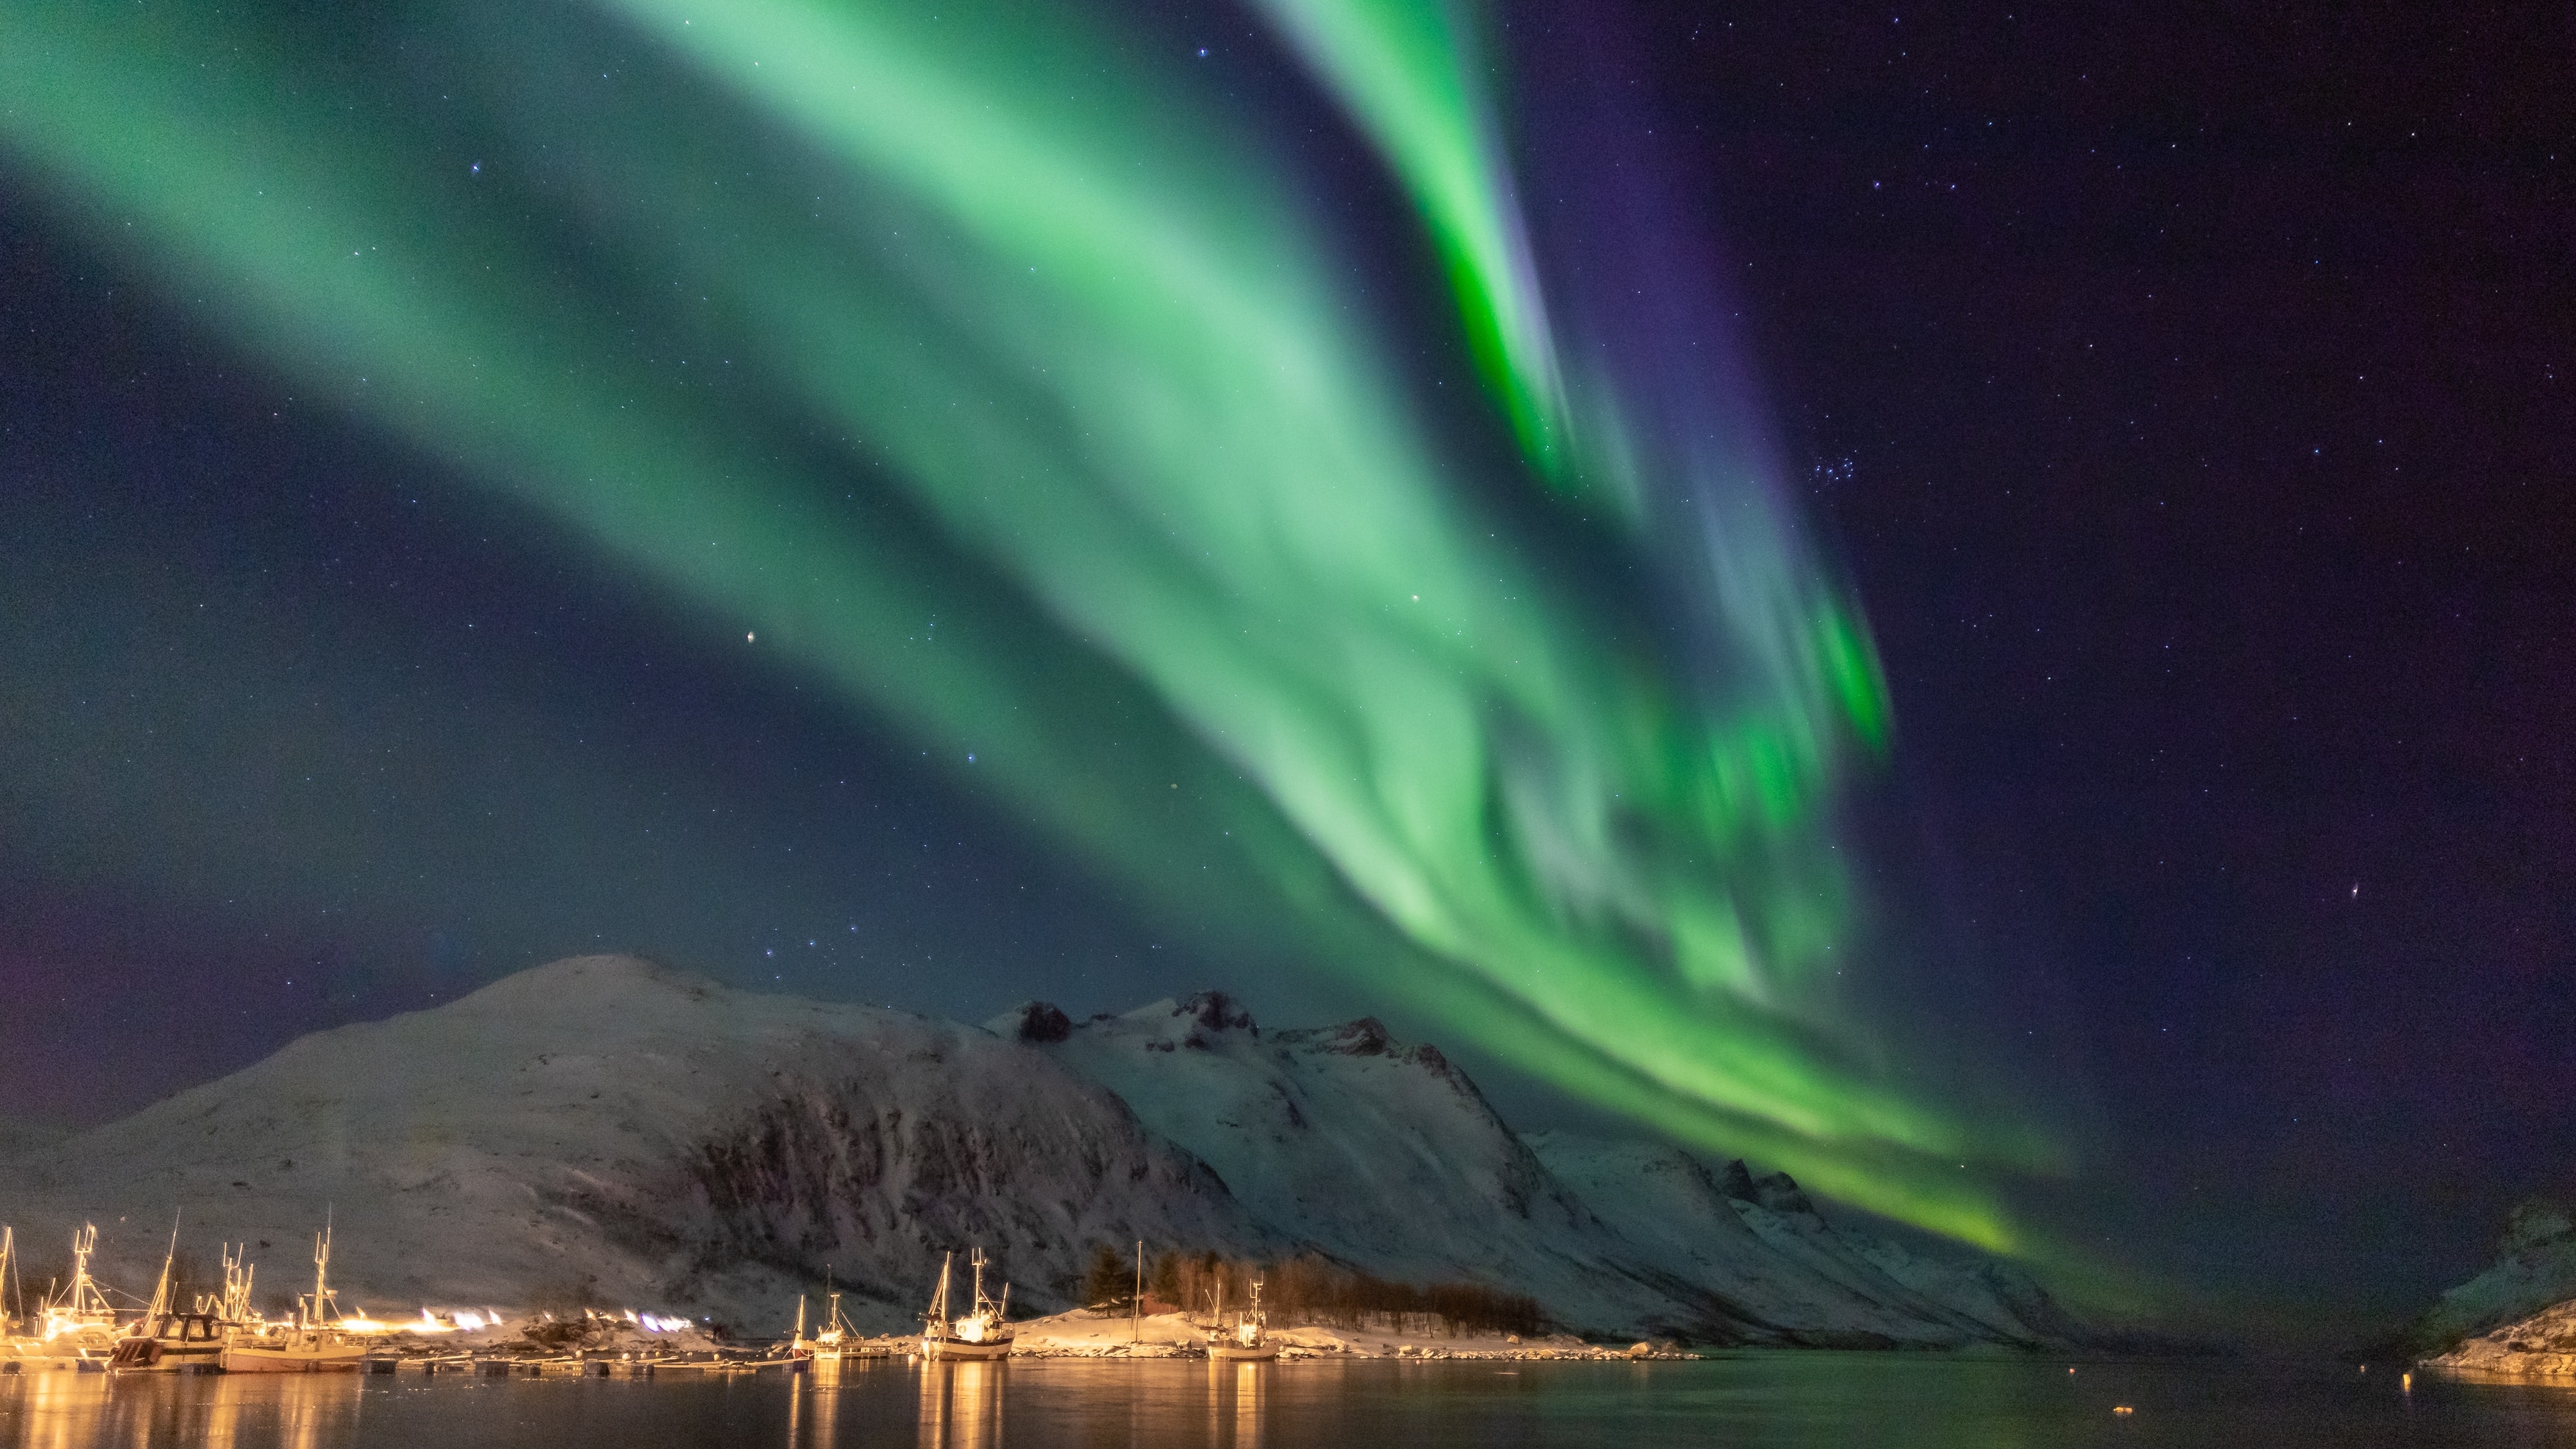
(1378, 1154)
(604, 1130)
(2535, 1267)
(1774, 1265)
(1388, 1157)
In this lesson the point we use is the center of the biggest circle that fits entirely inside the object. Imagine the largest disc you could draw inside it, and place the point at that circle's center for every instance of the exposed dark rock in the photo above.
(1780, 1192)
(1366, 1037)
(1736, 1180)
(1216, 1011)
(1039, 1021)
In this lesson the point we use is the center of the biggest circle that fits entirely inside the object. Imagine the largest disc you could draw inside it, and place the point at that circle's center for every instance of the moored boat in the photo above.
(308, 1345)
(168, 1343)
(294, 1349)
(832, 1339)
(75, 1327)
(1248, 1340)
(983, 1333)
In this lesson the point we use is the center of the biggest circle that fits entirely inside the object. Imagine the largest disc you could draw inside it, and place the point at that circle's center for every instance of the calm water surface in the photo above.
(1801, 1400)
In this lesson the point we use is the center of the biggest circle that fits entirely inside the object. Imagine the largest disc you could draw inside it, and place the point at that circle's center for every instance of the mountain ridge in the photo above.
(604, 1130)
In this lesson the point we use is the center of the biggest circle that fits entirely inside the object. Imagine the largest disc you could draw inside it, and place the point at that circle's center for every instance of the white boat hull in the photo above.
(321, 1357)
(958, 1348)
(69, 1351)
(149, 1357)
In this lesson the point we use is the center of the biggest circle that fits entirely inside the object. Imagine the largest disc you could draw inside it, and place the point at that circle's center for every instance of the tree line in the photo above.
(1307, 1289)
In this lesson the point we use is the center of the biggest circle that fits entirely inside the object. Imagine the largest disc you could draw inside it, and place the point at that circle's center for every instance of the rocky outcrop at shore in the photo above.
(2543, 1344)
(2535, 1267)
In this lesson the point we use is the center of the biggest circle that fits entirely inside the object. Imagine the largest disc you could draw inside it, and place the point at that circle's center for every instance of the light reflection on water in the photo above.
(78, 1411)
(1763, 1401)
(961, 1403)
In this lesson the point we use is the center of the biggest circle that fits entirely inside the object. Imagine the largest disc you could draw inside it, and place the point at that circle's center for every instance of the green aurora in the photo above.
(1216, 603)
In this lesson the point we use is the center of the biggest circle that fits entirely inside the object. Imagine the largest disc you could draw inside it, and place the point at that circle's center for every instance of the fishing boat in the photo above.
(168, 1340)
(171, 1343)
(833, 1338)
(234, 1306)
(798, 1345)
(165, 1340)
(983, 1333)
(1248, 1340)
(309, 1344)
(75, 1327)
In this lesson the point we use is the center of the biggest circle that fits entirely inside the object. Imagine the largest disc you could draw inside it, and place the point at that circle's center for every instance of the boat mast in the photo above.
(161, 1291)
(84, 1291)
(321, 1268)
(939, 1299)
(237, 1275)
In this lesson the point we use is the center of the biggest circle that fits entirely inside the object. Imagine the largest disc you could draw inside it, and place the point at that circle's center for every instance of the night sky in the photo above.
(2183, 398)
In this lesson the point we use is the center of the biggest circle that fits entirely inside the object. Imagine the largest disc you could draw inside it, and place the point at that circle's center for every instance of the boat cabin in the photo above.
(170, 1336)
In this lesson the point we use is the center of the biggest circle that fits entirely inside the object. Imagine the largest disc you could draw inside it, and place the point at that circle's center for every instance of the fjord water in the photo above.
(1791, 1400)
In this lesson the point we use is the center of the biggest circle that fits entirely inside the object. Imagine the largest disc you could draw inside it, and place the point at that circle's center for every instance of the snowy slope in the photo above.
(2535, 1267)
(601, 1127)
(1387, 1157)
(1761, 1245)
(1773, 1277)
(1381, 1155)
(1995, 1296)
(18, 1137)
(603, 1130)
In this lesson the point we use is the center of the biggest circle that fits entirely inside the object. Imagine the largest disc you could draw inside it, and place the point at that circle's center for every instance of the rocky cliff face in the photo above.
(603, 1130)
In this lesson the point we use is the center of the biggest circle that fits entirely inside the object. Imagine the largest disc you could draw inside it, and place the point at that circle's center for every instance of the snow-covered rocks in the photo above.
(1085, 1334)
(1386, 1157)
(2544, 1343)
(1378, 1155)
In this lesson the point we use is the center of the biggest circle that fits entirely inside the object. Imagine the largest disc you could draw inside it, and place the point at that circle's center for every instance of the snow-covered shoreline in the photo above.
(2542, 1345)
(1083, 1333)
(2516, 1317)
